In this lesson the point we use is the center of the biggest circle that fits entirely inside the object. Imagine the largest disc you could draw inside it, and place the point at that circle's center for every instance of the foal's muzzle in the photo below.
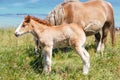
(16, 34)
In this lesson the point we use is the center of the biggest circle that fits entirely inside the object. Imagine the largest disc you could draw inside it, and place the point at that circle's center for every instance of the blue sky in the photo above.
(27, 6)
(33, 6)
(42, 7)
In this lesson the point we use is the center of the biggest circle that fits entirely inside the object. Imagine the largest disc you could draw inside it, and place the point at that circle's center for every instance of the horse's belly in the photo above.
(93, 27)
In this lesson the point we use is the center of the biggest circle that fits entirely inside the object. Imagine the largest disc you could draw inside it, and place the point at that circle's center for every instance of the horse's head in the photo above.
(24, 27)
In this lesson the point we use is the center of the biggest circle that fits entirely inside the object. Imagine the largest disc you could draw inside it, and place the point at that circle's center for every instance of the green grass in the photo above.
(18, 62)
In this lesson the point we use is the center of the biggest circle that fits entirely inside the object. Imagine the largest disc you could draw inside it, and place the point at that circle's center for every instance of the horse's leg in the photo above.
(47, 56)
(97, 40)
(105, 31)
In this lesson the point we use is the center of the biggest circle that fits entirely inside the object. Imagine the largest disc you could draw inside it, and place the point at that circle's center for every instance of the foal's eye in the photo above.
(23, 26)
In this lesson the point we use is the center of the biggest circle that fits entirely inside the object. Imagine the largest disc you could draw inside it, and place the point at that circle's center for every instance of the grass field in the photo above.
(18, 62)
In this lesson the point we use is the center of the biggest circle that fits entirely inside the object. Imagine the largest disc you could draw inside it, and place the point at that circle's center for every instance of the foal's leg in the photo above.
(78, 44)
(85, 58)
(47, 56)
(86, 62)
(36, 45)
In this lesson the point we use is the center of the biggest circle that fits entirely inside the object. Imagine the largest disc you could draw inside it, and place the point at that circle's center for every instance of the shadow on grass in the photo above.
(89, 47)
(37, 62)
(62, 50)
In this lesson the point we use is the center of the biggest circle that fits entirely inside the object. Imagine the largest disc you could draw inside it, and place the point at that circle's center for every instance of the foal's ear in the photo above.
(28, 15)
(27, 18)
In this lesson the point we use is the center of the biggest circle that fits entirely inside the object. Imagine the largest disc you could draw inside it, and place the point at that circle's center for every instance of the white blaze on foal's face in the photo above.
(23, 28)
(19, 30)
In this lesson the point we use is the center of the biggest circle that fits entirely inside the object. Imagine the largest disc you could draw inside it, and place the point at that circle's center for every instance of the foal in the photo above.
(55, 36)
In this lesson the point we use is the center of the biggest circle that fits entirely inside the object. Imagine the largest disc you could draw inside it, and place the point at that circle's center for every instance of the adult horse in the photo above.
(55, 36)
(93, 15)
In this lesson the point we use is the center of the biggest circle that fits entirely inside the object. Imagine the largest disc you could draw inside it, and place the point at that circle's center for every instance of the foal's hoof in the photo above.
(36, 53)
(85, 72)
(36, 50)
(86, 69)
(46, 72)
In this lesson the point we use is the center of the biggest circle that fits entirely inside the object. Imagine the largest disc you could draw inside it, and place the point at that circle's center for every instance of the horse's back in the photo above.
(90, 9)
(91, 15)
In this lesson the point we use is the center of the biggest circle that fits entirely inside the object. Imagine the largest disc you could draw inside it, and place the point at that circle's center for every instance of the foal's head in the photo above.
(27, 25)
(24, 27)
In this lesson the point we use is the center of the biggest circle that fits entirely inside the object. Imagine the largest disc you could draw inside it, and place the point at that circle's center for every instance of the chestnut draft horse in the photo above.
(55, 36)
(93, 15)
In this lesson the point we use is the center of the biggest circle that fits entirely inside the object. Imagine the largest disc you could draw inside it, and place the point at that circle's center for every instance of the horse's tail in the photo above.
(112, 33)
(111, 18)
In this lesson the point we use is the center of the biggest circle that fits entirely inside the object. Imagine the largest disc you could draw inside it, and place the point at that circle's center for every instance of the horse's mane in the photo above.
(38, 20)
(56, 16)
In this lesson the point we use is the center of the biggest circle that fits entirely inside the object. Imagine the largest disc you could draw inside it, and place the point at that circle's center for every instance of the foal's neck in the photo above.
(38, 28)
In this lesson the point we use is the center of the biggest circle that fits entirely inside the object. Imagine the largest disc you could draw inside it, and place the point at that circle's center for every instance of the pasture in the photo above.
(18, 62)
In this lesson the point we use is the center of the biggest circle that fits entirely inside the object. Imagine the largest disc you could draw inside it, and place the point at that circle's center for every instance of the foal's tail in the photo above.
(112, 33)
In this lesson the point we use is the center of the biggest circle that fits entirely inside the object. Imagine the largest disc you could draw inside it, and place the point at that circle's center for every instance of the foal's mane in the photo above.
(38, 20)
